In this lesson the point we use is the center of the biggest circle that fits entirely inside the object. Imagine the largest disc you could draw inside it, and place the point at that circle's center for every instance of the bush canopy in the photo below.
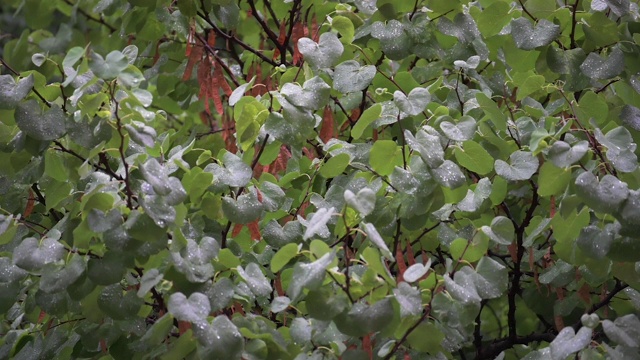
(299, 179)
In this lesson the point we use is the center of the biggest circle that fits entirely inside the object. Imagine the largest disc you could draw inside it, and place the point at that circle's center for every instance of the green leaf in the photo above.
(605, 195)
(364, 202)
(474, 157)
(46, 126)
(349, 76)
(501, 231)
(335, 165)
(413, 103)
(309, 275)
(598, 67)
(523, 166)
(493, 18)
(552, 180)
(492, 110)
(323, 54)
(368, 116)
(527, 37)
(595, 242)
(194, 309)
(426, 337)
(283, 256)
(380, 154)
(11, 93)
(345, 28)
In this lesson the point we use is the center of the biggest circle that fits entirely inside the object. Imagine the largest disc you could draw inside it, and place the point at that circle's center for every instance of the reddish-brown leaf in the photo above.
(315, 29)
(277, 284)
(194, 57)
(211, 39)
(366, 345)
(31, 202)
(402, 267)
(204, 77)
(254, 230)
(585, 294)
(296, 34)
(183, 327)
(236, 229)
(281, 38)
(216, 84)
(327, 132)
(410, 258)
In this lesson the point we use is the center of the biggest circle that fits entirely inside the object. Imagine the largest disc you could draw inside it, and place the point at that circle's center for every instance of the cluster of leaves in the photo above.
(299, 179)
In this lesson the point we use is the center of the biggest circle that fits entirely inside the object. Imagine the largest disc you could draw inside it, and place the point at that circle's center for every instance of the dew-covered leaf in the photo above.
(150, 279)
(349, 76)
(377, 240)
(563, 155)
(32, 254)
(491, 278)
(568, 342)
(501, 231)
(323, 54)
(41, 125)
(630, 116)
(254, 277)
(308, 275)
(364, 201)
(193, 309)
(598, 67)
(462, 130)
(220, 339)
(522, 166)
(409, 299)
(624, 330)
(427, 144)
(243, 210)
(117, 305)
(605, 195)
(362, 319)
(416, 271)
(449, 175)
(11, 93)
(57, 278)
(278, 236)
(313, 94)
(527, 37)
(317, 224)
(414, 103)
(110, 66)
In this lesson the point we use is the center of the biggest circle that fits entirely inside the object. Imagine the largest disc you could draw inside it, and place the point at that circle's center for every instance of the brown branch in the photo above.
(99, 20)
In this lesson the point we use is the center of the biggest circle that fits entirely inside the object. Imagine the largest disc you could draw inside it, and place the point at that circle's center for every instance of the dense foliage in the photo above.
(354, 179)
